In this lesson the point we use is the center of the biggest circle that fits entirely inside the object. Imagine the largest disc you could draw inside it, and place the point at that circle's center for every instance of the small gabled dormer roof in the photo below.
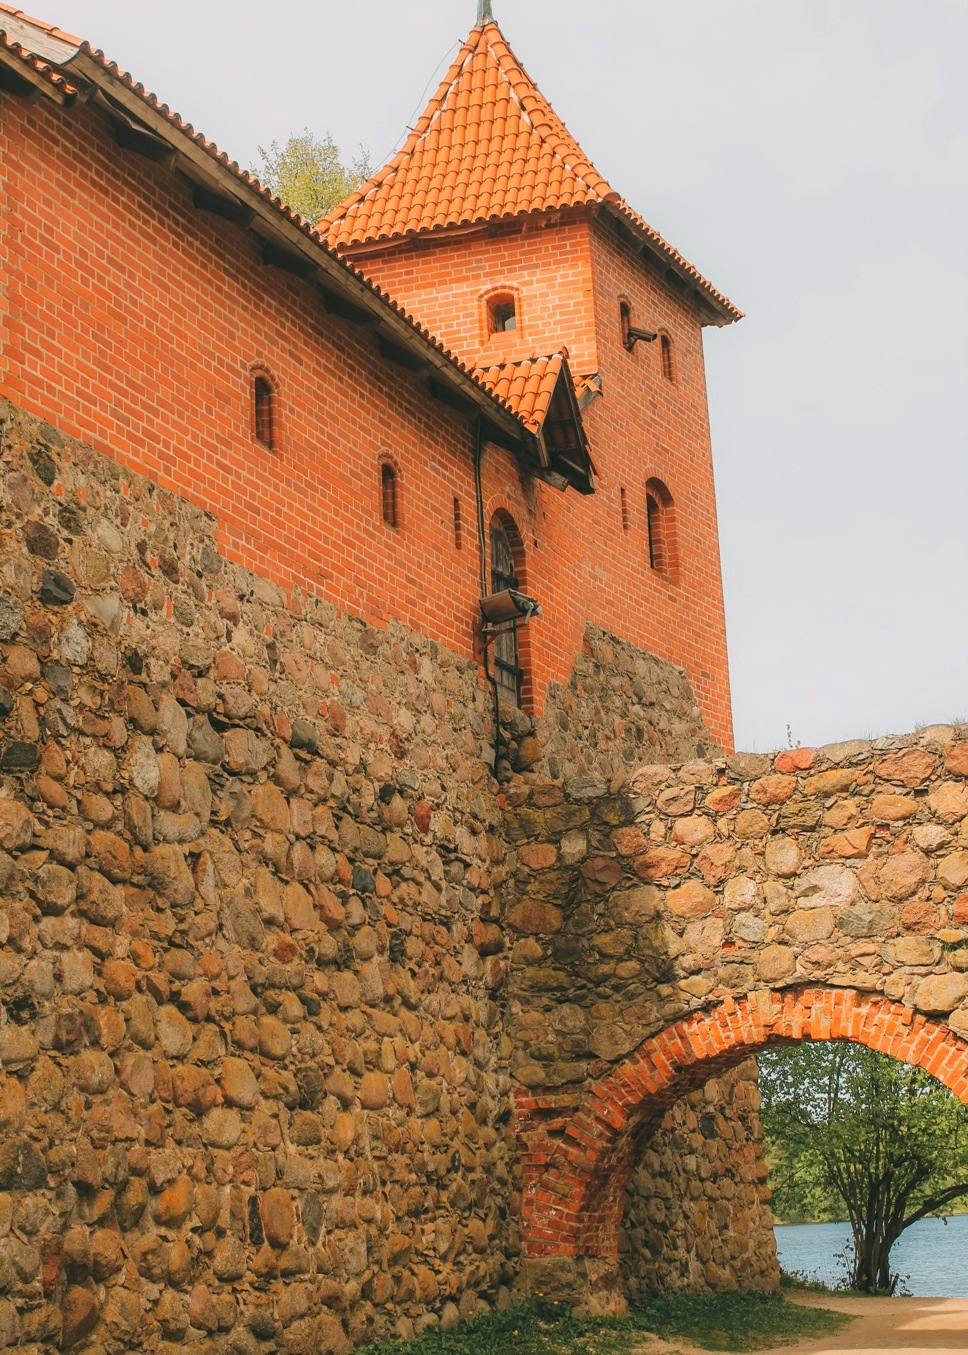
(488, 147)
(541, 391)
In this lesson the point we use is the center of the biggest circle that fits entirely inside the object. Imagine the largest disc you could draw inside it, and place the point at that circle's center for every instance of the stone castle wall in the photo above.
(673, 926)
(698, 1214)
(255, 1092)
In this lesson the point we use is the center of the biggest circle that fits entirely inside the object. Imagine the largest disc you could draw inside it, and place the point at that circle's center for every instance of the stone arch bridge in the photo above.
(668, 928)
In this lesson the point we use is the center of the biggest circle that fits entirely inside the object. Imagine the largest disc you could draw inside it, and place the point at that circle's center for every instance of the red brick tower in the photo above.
(501, 236)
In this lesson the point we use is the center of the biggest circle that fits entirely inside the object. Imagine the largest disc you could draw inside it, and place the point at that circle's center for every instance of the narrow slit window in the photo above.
(263, 398)
(654, 510)
(665, 349)
(389, 496)
(458, 526)
(661, 524)
(625, 315)
(625, 509)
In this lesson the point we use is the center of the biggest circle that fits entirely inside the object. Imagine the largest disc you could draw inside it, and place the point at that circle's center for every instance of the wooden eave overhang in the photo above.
(28, 76)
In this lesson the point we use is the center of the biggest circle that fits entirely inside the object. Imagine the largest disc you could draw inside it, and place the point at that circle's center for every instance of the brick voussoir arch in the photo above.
(576, 1179)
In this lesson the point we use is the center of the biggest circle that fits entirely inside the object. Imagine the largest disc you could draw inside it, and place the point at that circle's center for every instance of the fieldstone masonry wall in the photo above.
(698, 1214)
(254, 1094)
(839, 875)
(253, 1036)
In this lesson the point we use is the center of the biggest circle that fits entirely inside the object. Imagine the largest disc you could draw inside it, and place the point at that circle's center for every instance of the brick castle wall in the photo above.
(135, 322)
(569, 275)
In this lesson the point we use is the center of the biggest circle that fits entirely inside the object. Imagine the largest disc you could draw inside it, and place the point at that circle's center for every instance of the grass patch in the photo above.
(735, 1321)
(720, 1322)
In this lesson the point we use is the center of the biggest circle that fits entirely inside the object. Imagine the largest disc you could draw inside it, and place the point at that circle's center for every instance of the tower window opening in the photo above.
(625, 509)
(625, 315)
(509, 674)
(661, 521)
(388, 495)
(665, 350)
(263, 397)
(502, 313)
(458, 525)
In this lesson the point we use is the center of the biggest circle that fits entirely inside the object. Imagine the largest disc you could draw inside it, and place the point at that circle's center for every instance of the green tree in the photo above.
(308, 174)
(852, 1128)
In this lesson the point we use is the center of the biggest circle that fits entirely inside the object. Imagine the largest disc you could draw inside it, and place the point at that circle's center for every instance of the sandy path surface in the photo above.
(888, 1327)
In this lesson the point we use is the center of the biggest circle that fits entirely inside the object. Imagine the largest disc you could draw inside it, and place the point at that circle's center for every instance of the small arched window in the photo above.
(665, 352)
(502, 313)
(263, 402)
(505, 574)
(625, 317)
(661, 519)
(389, 495)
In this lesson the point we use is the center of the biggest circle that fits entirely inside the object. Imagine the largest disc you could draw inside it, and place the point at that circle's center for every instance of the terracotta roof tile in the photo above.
(526, 386)
(544, 395)
(488, 146)
(41, 39)
(36, 63)
(39, 23)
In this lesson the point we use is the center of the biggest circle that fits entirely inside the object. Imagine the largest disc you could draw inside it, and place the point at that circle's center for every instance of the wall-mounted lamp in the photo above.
(509, 607)
(634, 336)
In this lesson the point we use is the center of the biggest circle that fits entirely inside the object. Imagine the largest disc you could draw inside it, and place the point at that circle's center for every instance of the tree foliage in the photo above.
(850, 1130)
(308, 174)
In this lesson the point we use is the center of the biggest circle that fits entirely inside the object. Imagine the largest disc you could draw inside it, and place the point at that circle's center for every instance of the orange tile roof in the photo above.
(15, 27)
(488, 146)
(30, 22)
(526, 386)
(37, 64)
(543, 394)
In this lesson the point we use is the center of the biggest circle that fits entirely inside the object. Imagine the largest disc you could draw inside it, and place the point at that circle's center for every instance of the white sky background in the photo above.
(811, 158)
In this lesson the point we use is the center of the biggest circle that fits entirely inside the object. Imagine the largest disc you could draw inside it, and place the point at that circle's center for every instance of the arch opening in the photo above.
(579, 1158)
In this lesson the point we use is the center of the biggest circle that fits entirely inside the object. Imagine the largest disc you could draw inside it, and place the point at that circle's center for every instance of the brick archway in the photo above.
(578, 1158)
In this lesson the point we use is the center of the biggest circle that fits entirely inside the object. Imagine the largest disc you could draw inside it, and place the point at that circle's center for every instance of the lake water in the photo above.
(933, 1255)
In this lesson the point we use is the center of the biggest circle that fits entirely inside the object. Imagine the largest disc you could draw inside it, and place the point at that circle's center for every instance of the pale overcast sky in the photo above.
(811, 158)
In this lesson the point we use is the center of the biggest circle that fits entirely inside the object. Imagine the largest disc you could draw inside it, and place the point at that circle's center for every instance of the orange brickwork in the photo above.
(138, 323)
(569, 275)
(577, 1160)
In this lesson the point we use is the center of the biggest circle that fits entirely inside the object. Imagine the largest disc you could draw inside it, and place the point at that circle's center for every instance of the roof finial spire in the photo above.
(484, 15)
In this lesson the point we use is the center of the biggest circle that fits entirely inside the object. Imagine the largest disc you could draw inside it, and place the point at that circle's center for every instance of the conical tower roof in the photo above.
(489, 146)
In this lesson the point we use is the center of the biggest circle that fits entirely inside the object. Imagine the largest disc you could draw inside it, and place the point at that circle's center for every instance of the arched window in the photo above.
(625, 317)
(661, 518)
(665, 352)
(502, 312)
(263, 401)
(504, 574)
(389, 495)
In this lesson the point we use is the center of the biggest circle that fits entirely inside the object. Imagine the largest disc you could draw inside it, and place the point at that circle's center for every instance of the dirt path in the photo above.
(888, 1327)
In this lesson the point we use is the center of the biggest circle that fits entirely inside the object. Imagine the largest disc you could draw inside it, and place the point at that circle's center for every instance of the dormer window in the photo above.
(502, 313)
